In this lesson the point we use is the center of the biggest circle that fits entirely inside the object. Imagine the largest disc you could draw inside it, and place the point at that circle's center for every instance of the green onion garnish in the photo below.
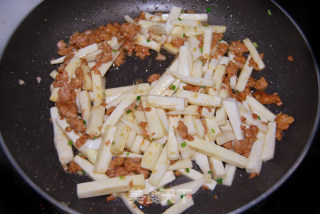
(85, 122)
(209, 172)
(208, 9)
(114, 50)
(148, 40)
(219, 180)
(173, 87)
(183, 144)
(179, 19)
(128, 111)
(201, 49)
(169, 203)
(269, 12)
(187, 170)
(213, 131)
(259, 117)
(138, 97)
(121, 177)
(70, 142)
(255, 44)
(113, 142)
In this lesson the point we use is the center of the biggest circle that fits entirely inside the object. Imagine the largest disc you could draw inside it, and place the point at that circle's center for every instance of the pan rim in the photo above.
(241, 209)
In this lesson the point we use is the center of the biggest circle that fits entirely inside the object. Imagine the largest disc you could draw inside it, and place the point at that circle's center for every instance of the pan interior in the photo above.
(25, 124)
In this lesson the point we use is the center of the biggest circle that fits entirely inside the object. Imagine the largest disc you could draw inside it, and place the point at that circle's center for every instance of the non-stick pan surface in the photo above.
(27, 132)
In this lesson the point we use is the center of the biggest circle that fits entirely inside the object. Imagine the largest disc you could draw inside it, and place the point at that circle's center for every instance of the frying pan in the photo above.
(27, 136)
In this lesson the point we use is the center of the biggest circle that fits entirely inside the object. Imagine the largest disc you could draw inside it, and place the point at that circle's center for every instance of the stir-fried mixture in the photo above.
(205, 109)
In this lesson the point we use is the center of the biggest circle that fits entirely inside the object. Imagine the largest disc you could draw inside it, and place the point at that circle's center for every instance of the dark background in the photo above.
(299, 194)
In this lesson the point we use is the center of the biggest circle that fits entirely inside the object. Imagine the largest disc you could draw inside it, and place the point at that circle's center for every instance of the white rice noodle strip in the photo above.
(163, 83)
(244, 76)
(89, 169)
(175, 12)
(232, 110)
(143, 41)
(118, 111)
(270, 141)
(61, 142)
(254, 53)
(160, 169)
(230, 171)
(262, 111)
(207, 43)
(185, 60)
(194, 80)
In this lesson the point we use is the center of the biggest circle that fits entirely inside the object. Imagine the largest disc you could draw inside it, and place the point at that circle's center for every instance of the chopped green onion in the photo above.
(183, 144)
(269, 12)
(213, 131)
(148, 40)
(121, 177)
(255, 44)
(70, 142)
(201, 49)
(85, 122)
(209, 9)
(114, 50)
(128, 153)
(182, 10)
(135, 107)
(104, 94)
(209, 172)
(138, 97)
(94, 137)
(173, 87)
(184, 35)
(259, 117)
(179, 19)
(219, 180)
(113, 142)
(187, 170)
(203, 86)
(181, 196)
(169, 203)
(128, 111)
(83, 172)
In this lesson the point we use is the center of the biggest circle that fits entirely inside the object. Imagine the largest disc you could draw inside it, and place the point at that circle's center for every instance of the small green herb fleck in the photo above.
(184, 35)
(70, 142)
(209, 9)
(219, 180)
(213, 131)
(128, 111)
(113, 142)
(259, 117)
(135, 107)
(94, 137)
(173, 87)
(121, 177)
(182, 10)
(128, 153)
(148, 40)
(169, 203)
(235, 91)
(209, 172)
(114, 50)
(85, 122)
(83, 172)
(179, 19)
(269, 12)
(104, 94)
(181, 196)
(203, 86)
(255, 44)
(183, 144)
(187, 170)
(201, 49)
(138, 97)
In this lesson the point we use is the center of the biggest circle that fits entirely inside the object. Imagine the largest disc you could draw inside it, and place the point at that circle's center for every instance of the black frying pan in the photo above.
(27, 132)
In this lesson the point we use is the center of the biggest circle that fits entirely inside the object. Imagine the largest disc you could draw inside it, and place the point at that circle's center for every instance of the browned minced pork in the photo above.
(126, 166)
(283, 123)
(153, 77)
(261, 84)
(143, 126)
(265, 98)
(81, 141)
(177, 41)
(161, 57)
(73, 167)
(141, 51)
(183, 131)
(77, 124)
(216, 37)
(129, 31)
(120, 59)
(106, 53)
(78, 80)
(238, 47)
(191, 88)
(243, 147)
